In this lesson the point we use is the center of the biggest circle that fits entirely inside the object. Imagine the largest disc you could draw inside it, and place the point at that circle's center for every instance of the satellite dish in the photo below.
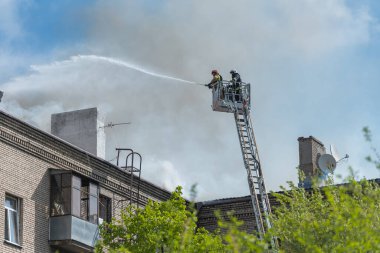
(327, 164)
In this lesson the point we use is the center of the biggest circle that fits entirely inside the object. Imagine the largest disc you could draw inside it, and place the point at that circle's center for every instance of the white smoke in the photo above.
(280, 47)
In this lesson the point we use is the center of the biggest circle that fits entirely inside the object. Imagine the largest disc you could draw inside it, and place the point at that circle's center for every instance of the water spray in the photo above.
(130, 66)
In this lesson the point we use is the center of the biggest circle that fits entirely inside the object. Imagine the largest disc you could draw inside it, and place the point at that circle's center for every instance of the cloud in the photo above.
(316, 27)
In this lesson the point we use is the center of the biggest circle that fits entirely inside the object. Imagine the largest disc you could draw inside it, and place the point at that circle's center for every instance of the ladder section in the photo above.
(259, 197)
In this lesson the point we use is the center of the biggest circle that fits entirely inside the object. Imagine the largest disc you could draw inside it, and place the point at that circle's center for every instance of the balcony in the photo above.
(72, 234)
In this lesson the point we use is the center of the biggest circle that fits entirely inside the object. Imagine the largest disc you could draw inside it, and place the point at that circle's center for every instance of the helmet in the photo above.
(232, 71)
(214, 72)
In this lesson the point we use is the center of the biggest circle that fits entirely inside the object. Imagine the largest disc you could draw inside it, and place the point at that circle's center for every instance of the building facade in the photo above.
(55, 194)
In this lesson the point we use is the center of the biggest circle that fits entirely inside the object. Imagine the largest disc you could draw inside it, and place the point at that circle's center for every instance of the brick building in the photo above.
(55, 194)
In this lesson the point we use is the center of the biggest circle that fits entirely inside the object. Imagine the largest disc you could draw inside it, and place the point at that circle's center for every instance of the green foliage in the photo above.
(342, 218)
(238, 241)
(331, 219)
(160, 227)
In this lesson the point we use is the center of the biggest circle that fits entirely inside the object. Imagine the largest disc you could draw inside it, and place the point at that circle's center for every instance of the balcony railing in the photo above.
(71, 233)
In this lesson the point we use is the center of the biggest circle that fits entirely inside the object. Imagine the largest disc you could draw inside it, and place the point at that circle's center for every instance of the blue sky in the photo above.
(313, 65)
(49, 24)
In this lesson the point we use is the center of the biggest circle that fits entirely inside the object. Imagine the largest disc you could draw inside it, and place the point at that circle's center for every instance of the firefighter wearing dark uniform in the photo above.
(236, 84)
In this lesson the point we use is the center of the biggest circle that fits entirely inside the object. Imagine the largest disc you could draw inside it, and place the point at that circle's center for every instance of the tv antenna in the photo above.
(336, 155)
(111, 125)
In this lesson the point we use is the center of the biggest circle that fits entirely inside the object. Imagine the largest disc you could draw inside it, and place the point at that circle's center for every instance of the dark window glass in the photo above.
(60, 201)
(60, 194)
(104, 209)
(66, 197)
(66, 180)
(56, 181)
(56, 203)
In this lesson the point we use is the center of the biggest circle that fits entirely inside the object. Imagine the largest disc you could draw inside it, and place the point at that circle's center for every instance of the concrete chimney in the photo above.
(310, 149)
(81, 128)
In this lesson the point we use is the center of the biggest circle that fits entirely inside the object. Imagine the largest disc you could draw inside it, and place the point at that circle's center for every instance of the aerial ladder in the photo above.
(235, 98)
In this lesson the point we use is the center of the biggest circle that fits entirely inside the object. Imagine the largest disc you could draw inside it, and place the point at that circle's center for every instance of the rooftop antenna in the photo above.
(336, 155)
(110, 124)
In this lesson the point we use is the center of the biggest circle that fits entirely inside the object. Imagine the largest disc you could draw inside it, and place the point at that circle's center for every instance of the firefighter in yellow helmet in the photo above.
(216, 78)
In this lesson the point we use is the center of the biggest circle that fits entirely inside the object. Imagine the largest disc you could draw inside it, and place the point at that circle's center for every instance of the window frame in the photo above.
(88, 191)
(7, 220)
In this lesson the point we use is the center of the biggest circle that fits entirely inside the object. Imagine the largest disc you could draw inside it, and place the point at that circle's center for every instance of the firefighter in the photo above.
(216, 78)
(236, 84)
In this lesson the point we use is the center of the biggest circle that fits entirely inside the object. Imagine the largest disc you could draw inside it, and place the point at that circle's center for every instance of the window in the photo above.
(74, 195)
(104, 209)
(12, 219)
(60, 194)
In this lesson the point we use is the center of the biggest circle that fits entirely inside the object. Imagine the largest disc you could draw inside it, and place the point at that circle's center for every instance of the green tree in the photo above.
(170, 226)
(160, 227)
(343, 218)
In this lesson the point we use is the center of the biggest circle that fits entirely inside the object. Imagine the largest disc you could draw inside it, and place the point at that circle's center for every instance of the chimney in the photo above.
(81, 128)
(310, 149)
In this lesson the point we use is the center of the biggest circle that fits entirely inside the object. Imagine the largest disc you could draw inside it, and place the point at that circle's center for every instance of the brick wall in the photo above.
(27, 178)
(309, 151)
(240, 207)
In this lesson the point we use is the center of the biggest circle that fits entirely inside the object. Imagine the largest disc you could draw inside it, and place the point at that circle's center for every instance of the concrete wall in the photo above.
(81, 128)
